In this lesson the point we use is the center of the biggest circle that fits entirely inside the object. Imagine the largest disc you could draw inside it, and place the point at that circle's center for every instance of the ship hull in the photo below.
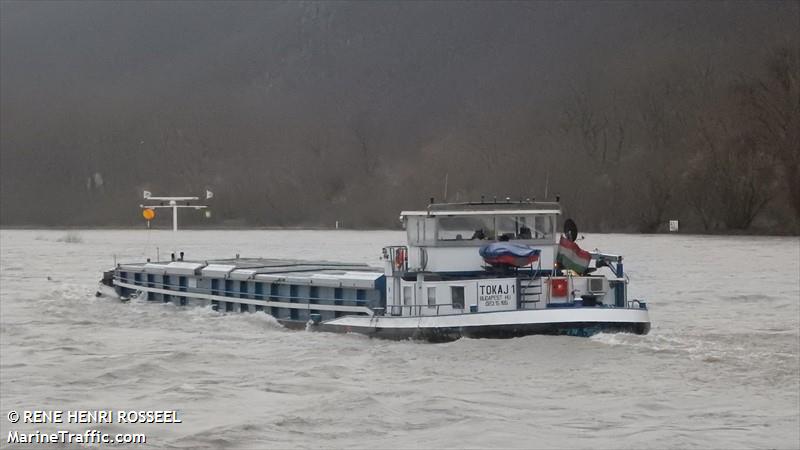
(356, 298)
(583, 322)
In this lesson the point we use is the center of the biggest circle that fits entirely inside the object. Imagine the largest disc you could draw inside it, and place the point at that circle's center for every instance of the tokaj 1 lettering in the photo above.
(497, 289)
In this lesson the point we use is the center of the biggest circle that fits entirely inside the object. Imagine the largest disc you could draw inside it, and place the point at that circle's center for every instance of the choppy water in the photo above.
(720, 368)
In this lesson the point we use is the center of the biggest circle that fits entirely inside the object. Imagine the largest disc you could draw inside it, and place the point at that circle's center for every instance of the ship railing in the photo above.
(636, 304)
(400, 310)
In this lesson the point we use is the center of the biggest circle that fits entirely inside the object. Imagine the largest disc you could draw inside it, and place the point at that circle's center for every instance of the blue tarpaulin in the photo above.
(509, 254)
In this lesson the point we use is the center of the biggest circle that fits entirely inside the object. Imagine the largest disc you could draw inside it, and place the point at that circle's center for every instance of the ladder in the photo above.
(530, 291)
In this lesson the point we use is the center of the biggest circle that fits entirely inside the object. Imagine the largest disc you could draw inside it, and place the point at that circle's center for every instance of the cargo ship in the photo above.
(477, 269)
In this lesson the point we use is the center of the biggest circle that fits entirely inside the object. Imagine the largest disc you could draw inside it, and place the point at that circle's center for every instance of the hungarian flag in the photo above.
(570, 256)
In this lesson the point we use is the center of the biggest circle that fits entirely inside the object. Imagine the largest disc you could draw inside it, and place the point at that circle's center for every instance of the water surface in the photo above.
(719, 369)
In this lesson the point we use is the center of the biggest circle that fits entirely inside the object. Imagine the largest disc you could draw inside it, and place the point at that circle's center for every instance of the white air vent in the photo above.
(595, 285)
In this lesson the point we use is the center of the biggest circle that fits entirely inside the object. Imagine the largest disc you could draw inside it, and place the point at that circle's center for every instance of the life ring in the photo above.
(399, 258)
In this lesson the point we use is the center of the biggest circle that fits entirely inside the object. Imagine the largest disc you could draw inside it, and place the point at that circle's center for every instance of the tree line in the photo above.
(304, 114)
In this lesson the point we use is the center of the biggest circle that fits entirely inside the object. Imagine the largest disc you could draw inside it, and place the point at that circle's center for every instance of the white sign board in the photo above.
(497, 294)
(673, 226)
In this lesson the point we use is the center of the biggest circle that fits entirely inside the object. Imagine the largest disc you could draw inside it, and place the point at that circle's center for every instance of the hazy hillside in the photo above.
(304, 113)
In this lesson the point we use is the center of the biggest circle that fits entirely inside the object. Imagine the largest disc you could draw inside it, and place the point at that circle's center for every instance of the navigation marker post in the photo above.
(173, 203)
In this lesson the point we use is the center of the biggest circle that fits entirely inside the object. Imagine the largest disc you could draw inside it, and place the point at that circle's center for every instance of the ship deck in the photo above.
(265, 269)
(262, 265)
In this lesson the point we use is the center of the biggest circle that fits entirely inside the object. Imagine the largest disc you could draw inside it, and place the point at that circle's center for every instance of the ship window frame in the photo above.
(228, 287)
(453, 290)
(449, 231)
(408, 295)
(431, 289)
(544, 226)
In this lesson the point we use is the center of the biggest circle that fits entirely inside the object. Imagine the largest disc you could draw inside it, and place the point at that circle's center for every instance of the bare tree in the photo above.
(772, 104)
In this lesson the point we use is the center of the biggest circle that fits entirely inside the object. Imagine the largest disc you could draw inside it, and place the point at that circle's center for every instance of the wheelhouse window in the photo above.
(457, 296)
(420, 230)
(499, 227)
(510, 228)
(460, 228)
(544, 227)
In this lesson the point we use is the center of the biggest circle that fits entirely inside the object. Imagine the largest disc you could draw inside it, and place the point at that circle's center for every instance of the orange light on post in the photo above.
(148, 214)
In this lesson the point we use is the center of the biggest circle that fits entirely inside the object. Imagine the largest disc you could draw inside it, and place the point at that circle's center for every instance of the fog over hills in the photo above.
(302, 113)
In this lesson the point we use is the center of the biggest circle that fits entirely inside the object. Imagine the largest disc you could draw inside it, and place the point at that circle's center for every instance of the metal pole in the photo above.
(547, 185)
(174, 215)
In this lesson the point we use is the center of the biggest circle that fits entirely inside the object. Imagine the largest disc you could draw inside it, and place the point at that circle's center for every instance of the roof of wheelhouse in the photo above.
(487, 208)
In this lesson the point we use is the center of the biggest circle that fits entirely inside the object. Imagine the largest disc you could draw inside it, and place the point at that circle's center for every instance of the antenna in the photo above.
(172, 202)
(547, 185)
